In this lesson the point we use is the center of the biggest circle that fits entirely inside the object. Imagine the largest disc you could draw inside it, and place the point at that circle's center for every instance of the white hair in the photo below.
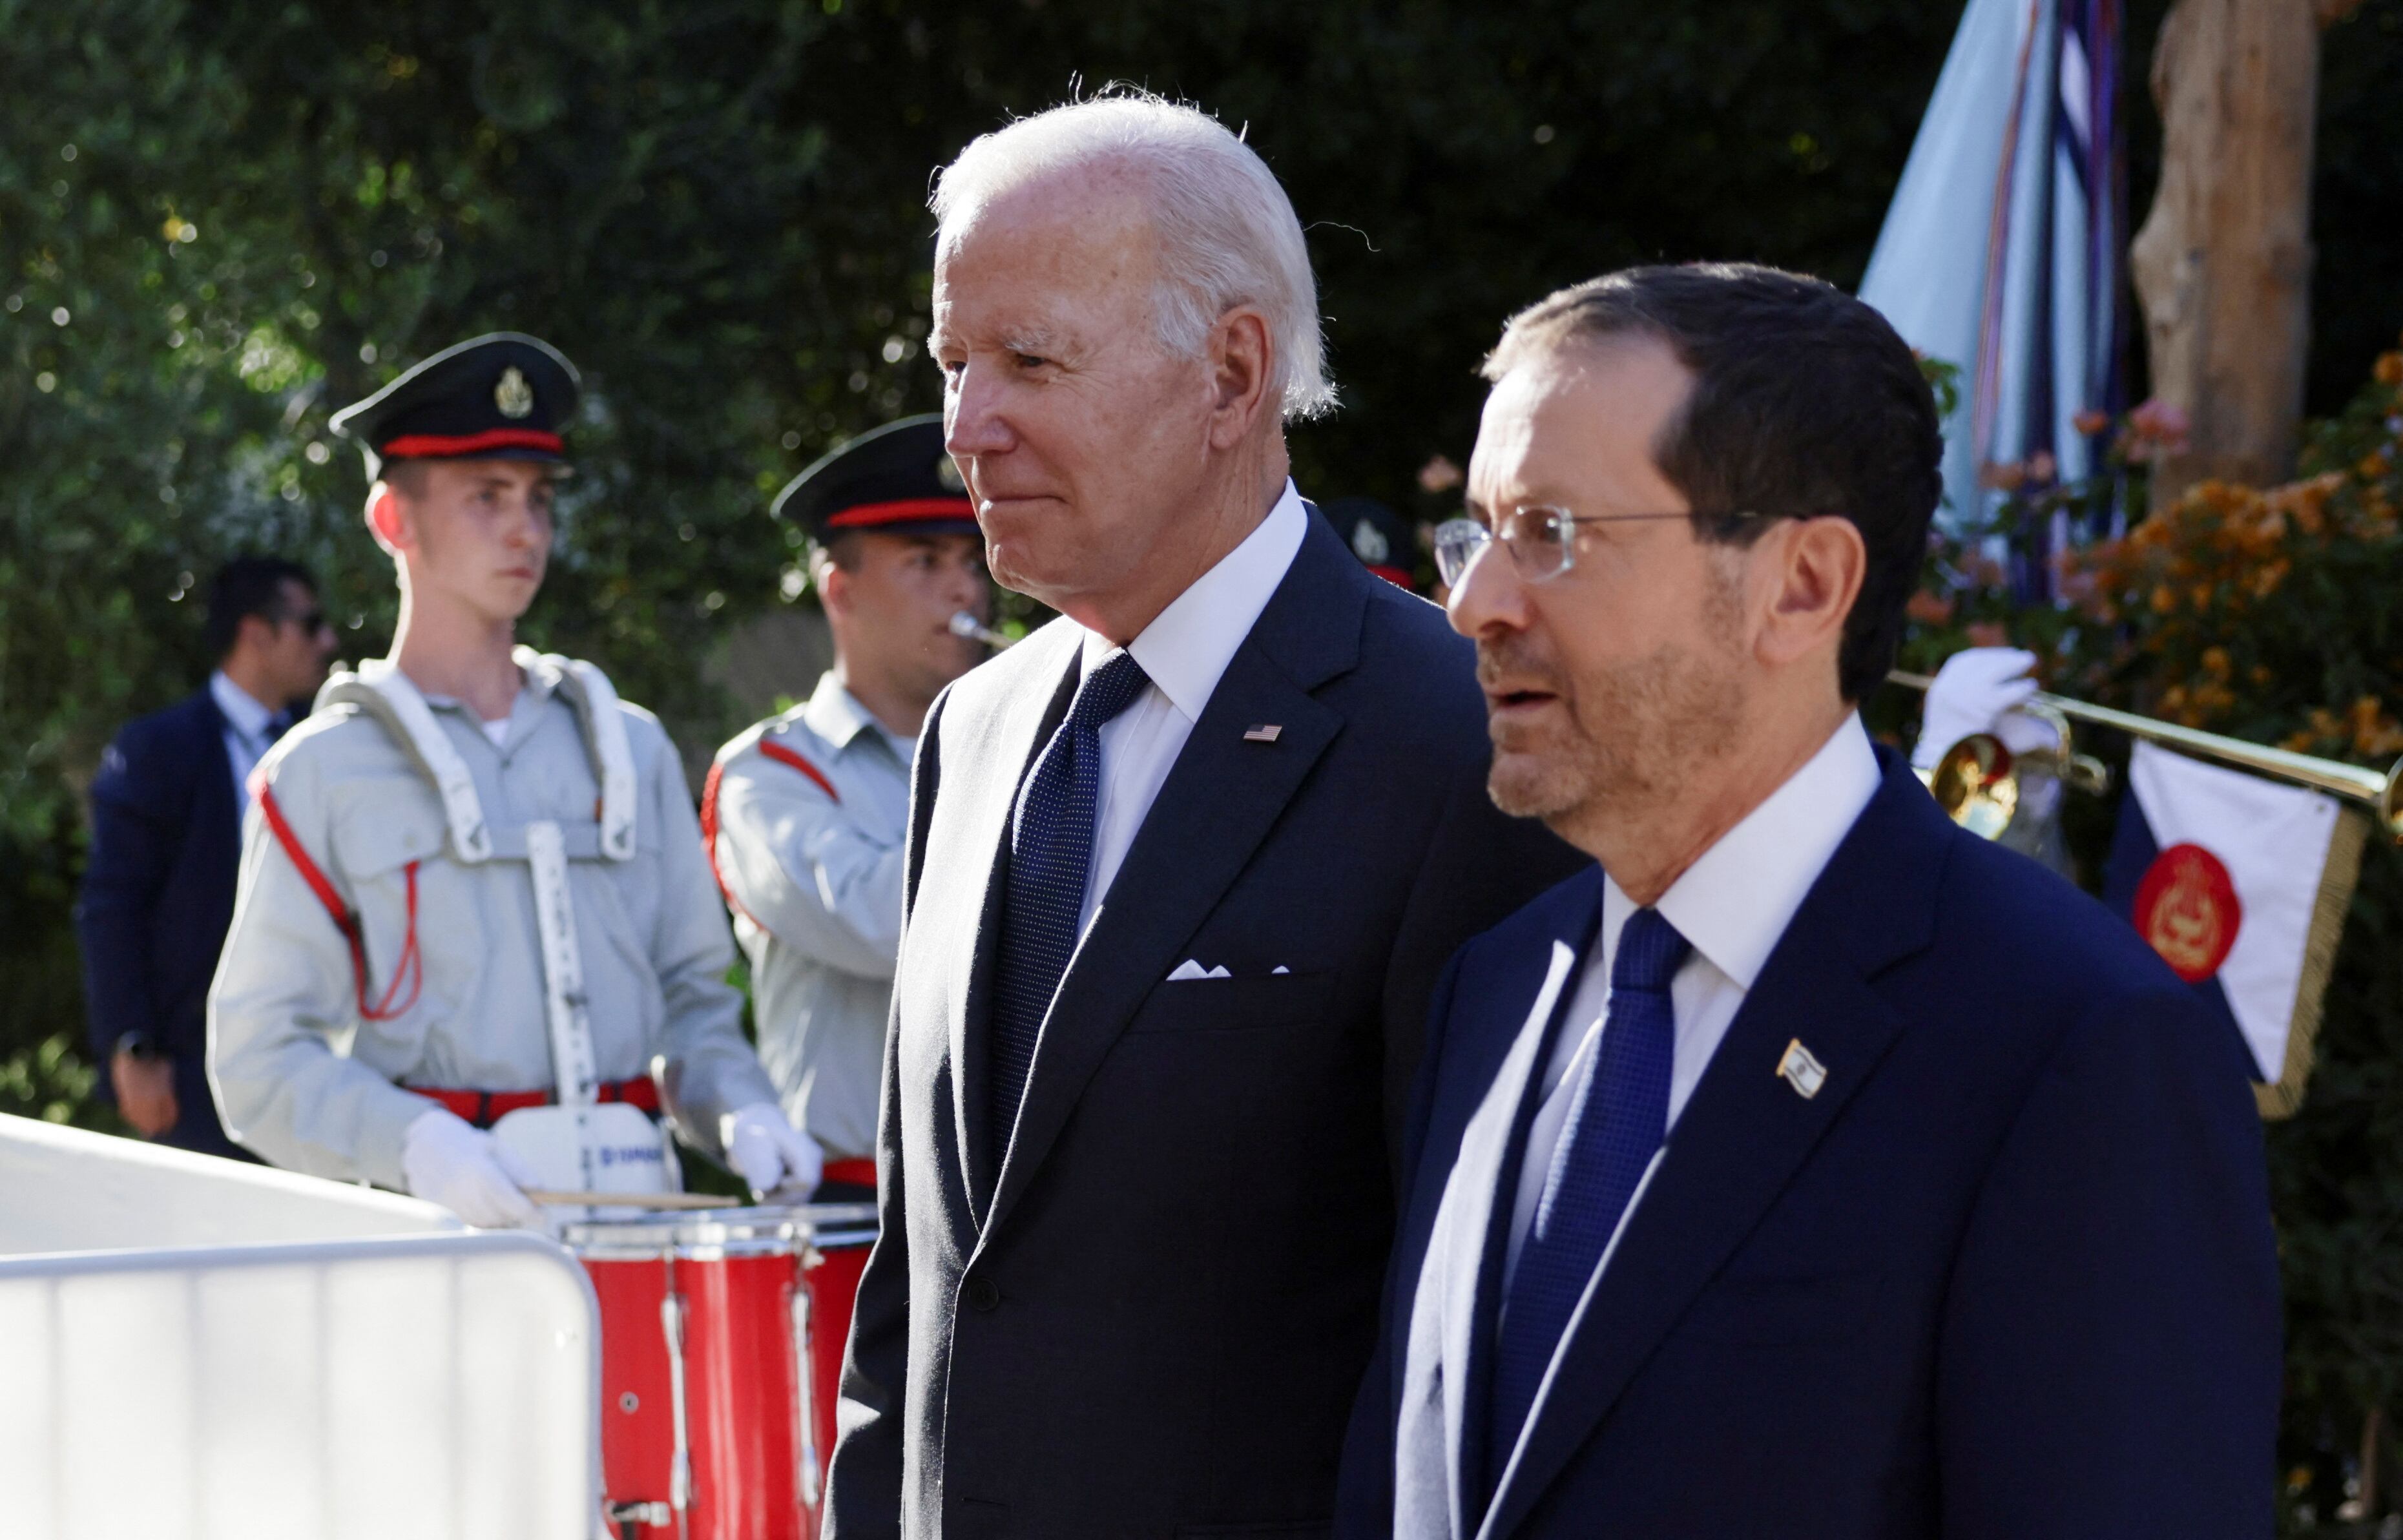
(1228, 234)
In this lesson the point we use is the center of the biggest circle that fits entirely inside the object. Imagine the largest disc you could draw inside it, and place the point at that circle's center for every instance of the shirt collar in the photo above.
(835, 714)
(1735, 902)
(1189, 645)
(241, 710)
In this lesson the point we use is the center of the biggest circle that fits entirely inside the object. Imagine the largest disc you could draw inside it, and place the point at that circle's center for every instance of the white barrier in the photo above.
(437, 1386)
(69, 1190)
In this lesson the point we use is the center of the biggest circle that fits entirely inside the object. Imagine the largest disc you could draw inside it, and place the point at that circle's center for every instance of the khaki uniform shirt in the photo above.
(813, 874)
(303, 1080)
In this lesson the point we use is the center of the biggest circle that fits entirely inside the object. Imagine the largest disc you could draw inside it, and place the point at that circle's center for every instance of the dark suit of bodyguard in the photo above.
(1137, 1300)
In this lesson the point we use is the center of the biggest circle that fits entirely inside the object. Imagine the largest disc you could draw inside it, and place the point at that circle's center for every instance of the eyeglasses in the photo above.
(311, 621)
(1542, 542)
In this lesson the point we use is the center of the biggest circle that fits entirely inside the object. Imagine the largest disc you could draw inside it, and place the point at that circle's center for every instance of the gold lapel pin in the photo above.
(1265, 733)
(1800, 1068)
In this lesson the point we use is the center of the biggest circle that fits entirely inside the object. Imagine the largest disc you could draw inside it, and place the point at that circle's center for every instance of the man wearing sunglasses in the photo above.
(166, 839)
(1805, 1166)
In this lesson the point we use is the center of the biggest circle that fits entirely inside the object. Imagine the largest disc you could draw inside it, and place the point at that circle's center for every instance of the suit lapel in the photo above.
(1219, 803)
(997, 757)
(1747, 1131)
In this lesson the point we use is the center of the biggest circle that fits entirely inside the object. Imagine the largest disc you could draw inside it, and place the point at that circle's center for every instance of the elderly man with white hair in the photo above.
(1183, 867)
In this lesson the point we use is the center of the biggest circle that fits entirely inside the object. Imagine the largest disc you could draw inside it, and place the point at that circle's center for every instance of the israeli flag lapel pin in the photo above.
(1800, 1068)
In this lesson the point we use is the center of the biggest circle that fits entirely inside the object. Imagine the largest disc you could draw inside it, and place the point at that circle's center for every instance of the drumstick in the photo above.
(631, 1199)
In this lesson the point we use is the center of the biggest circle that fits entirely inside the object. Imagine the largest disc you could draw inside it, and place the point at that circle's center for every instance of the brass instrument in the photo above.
(1976, 783)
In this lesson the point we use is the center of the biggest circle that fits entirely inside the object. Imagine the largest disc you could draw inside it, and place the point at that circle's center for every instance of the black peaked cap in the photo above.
(897, 478)
(503, 395)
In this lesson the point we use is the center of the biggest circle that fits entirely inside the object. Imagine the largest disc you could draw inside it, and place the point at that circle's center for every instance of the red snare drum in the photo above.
(721, 1356)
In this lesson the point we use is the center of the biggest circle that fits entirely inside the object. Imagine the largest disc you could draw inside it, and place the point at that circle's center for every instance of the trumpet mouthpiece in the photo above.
(966, 625)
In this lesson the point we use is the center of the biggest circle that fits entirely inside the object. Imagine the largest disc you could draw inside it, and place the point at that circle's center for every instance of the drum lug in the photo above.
(680, 1468)
(808, 1474)
(625, 1516)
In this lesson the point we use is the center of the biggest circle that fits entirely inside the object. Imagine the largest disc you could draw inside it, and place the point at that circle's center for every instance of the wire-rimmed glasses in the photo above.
(1542, 541)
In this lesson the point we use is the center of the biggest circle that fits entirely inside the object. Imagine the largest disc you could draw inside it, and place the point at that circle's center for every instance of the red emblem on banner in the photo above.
(2186, 908)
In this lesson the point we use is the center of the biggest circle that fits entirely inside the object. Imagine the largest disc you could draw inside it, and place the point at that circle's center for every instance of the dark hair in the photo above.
(1805, 403)
(248, 585)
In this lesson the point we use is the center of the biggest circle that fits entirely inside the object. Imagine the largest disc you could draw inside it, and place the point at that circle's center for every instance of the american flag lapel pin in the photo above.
(1265, 732)
(1800, 1068)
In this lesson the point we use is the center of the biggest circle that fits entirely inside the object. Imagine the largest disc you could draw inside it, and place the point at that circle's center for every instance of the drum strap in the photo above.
(563, 967)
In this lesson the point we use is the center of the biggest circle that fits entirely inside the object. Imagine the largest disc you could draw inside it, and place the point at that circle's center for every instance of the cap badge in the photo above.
(513, 395)
(1369, 543)
(949, 474)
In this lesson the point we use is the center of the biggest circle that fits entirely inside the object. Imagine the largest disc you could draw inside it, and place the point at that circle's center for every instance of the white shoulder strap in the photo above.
(595, 700)
(385, 691)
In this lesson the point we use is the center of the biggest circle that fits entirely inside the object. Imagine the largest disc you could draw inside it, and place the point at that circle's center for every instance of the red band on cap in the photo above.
(907, 510)
(435, 445)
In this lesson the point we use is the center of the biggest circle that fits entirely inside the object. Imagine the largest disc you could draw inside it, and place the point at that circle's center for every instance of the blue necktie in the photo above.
(1051, 850)
(1615, 1126)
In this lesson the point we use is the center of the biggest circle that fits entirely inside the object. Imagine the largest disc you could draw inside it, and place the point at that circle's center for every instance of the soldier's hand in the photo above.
(448, 1160)
(769, 1153)
(145, 1091)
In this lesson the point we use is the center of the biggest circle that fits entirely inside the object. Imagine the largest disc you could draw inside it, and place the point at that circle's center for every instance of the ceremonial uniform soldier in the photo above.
(806, 814)
(472, 881)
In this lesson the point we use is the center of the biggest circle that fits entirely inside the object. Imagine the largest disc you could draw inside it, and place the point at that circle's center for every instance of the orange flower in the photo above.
(1929, 609)
(2389, 368)
(2164, 600)
(1988, 633)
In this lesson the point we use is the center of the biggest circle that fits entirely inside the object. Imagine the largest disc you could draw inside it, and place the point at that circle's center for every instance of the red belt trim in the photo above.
(858, 1172)
(906, 510)
(435, 445)
(484, 1108)
(411, 967)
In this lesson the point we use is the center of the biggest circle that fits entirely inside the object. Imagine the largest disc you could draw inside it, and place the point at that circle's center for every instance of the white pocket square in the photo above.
(1191, 969)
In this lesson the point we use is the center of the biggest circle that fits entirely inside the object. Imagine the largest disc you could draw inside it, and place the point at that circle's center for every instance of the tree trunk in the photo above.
(2223, 264)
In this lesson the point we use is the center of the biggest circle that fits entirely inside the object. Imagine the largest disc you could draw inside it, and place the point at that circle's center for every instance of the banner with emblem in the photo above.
(2242, 885)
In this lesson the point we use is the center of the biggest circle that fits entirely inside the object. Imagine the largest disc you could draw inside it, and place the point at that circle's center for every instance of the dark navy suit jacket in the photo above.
(2008, 1273)
(1144, 1312)
(158, 895)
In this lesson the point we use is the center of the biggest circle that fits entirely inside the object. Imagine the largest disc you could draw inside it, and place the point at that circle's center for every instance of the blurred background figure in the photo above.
(1383, 539)
(166, 837)
(805, 814)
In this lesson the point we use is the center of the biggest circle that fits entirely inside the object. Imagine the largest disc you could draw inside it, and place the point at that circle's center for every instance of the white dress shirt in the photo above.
(1734, 905)
(1185, 650)
(250, 731)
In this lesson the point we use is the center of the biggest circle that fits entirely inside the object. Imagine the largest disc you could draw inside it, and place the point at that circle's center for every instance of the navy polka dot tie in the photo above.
(1050, 852)
(1615, 1126)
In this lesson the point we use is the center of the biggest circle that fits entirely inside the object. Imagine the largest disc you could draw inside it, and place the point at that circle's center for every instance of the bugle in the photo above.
(2381, 792)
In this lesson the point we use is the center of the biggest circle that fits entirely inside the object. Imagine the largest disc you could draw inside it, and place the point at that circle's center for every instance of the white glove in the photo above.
(448, 1160)
(1980, 690)
(768, 1153)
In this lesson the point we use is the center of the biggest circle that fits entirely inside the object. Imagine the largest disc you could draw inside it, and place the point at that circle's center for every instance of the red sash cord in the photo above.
(782, 755)
(410, 970)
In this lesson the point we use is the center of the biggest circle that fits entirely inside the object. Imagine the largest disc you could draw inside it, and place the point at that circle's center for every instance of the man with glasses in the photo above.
(166, 837)
(477, 929)
(1805, 1166)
